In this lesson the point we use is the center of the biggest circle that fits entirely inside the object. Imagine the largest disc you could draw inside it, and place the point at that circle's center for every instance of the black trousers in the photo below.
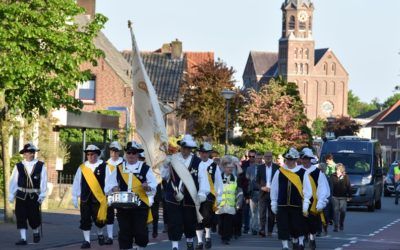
(181, 219)
(89, 210)
(237, 222)
(132, 227)
(264, 205)
(206, 210)
(225, 226)
(28, 210)
(110, 215)
(313, 223)
(290, 222)
(155, 208)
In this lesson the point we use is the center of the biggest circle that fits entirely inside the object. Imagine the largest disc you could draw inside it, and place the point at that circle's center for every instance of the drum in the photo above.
(123, 199)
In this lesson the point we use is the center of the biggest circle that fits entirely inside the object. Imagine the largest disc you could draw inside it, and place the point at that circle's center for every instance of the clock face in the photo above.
(327, 107)
(303, 16)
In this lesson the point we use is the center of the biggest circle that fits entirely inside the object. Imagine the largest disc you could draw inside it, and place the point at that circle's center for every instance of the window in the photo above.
(310, 23)
(302, 25)
(292, 23)
(301, 68)
(295, 53)
(388, 133)
(304, 87)
(296, 68)
(306, 68)
(86, 90)
(301, 53)
(333, 68)
(398, 132)
(326, 68)
(307, 53)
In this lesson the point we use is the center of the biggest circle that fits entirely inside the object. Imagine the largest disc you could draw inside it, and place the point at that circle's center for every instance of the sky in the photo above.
(364, 34)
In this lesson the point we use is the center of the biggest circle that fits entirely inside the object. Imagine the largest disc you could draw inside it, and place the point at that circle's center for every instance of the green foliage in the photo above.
(273, 118)
(203, 104)
(232, 150)
(41, 54)
(14, 160)
(391, 100)
(318, 127)
(356, 107)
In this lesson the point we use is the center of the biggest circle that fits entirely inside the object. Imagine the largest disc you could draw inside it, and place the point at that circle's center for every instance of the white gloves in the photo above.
(320, 207)
(201, 197)
(40, 199)
(75, 201)
(274, 209)
(305, 208)
(11, 198)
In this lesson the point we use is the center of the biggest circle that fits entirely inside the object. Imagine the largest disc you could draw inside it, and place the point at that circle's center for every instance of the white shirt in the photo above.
(76, 185)
(323, 189)
(307, 190)
(218, 184)
(111, 180)
(204, 186)
(115, 163)
(268, 174)
(29, 167)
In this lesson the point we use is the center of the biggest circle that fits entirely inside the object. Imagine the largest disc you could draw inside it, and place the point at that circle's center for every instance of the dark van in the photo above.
(363, 161)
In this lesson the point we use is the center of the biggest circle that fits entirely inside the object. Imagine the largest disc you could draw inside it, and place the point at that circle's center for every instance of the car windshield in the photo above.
(354, 163)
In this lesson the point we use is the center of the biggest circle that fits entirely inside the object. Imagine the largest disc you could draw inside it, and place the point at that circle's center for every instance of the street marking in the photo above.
(353, 242)
(346, 245)
(339, 248)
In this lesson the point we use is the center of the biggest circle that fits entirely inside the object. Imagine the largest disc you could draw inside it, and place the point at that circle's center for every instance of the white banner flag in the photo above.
(150, 126)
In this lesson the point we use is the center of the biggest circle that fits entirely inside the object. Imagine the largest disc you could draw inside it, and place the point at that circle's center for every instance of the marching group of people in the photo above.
(199, 192)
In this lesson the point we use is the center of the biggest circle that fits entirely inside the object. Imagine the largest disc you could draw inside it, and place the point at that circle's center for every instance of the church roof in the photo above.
(319, 53)
(264, 63)
(165, 73)
(297, 2)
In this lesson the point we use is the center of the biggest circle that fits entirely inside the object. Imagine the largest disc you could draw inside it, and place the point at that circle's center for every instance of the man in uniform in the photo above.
(290, 198)
(208, 207)
(320, 191)
(133, 221)
(187, 187)
(89, 185)
(114, 161)
(28, 184)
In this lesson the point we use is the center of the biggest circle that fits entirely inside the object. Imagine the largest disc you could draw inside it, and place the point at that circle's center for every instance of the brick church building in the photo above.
(321, 78)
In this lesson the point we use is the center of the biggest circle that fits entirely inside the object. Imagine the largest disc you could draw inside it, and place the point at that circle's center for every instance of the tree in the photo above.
(274, 117)
(203, 105)
(391, 100)
(356, 107)
(41, 53)
(342, 126)
(318, 127)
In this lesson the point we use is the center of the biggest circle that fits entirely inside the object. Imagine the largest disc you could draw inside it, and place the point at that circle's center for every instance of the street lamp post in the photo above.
(228, 95)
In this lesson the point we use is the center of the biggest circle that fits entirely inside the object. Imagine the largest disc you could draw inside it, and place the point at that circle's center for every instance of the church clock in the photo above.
(303, 16)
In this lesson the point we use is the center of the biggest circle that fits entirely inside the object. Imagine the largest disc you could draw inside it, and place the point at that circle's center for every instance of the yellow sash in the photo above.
(313, 209)
(97, 191)
(293, 178)
(137, 189)
(212, 190)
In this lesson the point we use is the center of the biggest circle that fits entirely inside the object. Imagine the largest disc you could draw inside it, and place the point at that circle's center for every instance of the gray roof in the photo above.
(369, 114)
(392, 117)
(112, 56)
(165, 73)
(297, 2)
(319, 53)
(265, 63)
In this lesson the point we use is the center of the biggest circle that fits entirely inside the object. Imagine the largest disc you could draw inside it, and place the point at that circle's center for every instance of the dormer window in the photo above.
(86, 91)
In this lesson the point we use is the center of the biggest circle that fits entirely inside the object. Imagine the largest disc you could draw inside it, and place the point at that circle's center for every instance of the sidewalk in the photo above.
(60, 230)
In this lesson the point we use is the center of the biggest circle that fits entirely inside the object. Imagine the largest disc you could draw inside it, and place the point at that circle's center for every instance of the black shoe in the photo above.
(313, 245)
(175, 248)
(261, 233)
(189, 246)
(108, 241)
(253, 232)
(296, 246)
(85, 245)
(225, 242)
(318, 234)
(199, 246)
(101, 239)
(301, 247)
(335, 229)
(245, 231)
(21, 242)
(36, 238)
(285, 248)
(155, 234)
(396, 203)
(341, 227)
(208, 243)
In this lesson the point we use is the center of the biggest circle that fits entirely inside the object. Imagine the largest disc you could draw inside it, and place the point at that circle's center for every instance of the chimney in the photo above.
(166, 48)
(89, 6)
(176, 47)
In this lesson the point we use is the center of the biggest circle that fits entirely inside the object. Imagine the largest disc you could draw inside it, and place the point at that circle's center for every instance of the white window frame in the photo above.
(89, 84)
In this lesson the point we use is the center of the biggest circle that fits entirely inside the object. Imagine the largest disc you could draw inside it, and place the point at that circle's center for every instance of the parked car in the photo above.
(388, 185)
(363, 161)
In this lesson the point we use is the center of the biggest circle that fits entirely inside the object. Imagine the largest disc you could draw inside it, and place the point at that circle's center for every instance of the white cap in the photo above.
(307, 153)
(187, 141)
(292, 153)
(115, 145)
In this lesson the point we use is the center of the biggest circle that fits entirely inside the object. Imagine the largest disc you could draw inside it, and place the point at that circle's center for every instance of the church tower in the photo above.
(296, 46)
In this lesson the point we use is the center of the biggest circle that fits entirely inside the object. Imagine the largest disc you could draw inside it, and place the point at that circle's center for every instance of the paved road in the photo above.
(363, 230)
